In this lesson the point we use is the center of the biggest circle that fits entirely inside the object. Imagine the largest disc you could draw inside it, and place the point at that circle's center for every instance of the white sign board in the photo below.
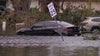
(52, 10)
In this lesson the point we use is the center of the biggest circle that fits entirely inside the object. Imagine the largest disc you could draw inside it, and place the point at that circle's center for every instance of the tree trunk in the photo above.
(62, 4)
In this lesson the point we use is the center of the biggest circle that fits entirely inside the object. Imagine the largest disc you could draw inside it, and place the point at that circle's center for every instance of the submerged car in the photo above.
(91, 24)
(50, 28)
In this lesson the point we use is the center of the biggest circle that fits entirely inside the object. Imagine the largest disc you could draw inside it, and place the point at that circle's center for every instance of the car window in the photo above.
(65, 24)
(37, 25)
(50, 24)
(96, 20)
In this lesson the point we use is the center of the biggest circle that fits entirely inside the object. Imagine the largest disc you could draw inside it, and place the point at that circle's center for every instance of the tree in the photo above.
(62, 3)
(43, 4)
(21, 5)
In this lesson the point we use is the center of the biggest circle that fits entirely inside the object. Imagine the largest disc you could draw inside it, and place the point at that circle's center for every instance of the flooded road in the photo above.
(26, 51)
(49, 51)
(48, 46)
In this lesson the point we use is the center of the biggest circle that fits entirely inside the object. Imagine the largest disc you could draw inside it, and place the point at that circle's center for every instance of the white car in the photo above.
(92, 24)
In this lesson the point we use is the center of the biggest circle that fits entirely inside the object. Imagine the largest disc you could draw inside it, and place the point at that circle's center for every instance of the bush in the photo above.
(39, 16)
(97, 13)
(34, 10)
(77, 14)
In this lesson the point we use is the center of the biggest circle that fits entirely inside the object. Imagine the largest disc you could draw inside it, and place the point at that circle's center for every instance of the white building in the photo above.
(95, 5)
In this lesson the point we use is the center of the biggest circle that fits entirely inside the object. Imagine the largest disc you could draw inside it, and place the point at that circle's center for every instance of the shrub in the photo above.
(77, 14)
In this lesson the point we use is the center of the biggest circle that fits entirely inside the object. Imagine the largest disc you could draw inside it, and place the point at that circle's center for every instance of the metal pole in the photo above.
(4, 27)
(53, 14)
(59, 30)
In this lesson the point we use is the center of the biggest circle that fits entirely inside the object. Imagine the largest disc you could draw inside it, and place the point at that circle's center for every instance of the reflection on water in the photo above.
(47, 51)
(76, 51)
(26, 51)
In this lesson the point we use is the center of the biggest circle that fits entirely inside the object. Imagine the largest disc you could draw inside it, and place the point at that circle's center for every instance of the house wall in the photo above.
(94, 5)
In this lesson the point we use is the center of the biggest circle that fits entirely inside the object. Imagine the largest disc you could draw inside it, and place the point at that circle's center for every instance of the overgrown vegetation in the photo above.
(77, 14)
(71, 14)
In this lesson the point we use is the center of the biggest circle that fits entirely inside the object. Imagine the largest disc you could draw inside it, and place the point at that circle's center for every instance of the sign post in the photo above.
(4, 26)
(53, 13)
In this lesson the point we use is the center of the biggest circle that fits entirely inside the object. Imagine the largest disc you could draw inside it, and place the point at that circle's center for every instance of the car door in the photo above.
(37, 30)
(50, 28)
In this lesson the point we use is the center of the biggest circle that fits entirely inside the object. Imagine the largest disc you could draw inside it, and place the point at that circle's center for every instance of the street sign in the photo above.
(52, 10)
(53, 13)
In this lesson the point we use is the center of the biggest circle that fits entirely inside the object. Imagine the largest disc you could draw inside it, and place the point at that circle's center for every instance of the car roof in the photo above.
(63, 23)
(55, 21)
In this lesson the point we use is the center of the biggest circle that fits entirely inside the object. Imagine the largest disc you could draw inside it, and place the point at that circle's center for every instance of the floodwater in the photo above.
(49, 51)
(48, 46)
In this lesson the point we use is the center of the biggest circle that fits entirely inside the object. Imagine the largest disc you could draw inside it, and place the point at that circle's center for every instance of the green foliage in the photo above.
(31, 17)
(34, 10)
(71, 14)
(97, 13)
(75, 14)
(39, 16)
(42, 16)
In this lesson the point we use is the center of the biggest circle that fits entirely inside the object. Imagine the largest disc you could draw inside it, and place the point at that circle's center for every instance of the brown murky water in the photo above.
(49, 51)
